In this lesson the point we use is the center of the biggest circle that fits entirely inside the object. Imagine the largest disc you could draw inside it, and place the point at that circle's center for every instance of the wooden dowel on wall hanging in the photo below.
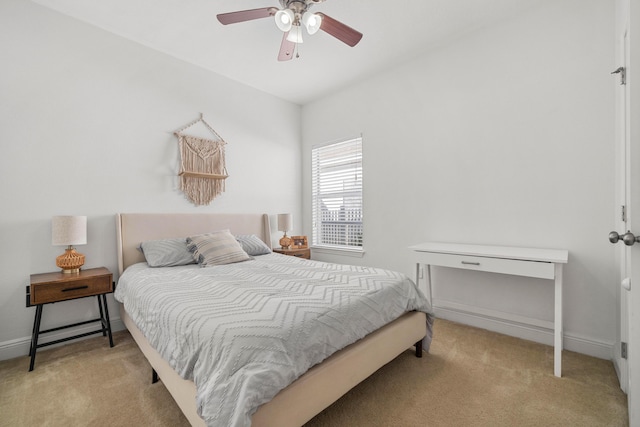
(203, 175)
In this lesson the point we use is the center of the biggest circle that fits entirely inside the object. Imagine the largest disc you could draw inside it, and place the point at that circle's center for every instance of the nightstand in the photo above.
(293, 251)
(54, 287)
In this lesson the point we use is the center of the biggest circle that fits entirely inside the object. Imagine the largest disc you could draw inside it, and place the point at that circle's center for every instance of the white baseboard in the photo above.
(520, 327)
(20, 347)
(504, 323)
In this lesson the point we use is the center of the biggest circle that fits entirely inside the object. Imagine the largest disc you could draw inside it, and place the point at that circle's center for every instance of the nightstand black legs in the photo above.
(34, 336)
(106, 324)
(104, 329)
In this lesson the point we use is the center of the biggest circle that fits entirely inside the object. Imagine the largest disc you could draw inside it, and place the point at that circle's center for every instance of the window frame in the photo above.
(342, 166)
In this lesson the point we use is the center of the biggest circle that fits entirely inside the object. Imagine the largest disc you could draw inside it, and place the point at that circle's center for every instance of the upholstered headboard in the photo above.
(134, 228)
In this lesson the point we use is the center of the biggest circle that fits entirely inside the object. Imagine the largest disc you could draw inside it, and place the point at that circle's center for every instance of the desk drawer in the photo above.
(42, 293)
(543, 270)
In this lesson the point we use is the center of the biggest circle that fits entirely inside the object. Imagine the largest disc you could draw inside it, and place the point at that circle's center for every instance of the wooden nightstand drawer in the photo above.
(54, 287)
(303, 253)
(300, 253)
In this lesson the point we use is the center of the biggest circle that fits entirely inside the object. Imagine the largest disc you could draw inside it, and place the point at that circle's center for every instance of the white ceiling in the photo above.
(394, 32)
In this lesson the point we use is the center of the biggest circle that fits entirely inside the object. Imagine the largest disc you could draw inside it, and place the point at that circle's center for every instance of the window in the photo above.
(337, 194)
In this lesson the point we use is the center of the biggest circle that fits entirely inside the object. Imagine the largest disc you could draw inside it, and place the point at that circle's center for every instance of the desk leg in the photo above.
(427, 275)
(34, 336)
(427, 279)
(557, 350)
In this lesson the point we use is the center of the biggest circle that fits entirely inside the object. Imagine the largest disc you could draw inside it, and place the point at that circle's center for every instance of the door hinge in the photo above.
(624, 213)
(623, 75)
(623, 350)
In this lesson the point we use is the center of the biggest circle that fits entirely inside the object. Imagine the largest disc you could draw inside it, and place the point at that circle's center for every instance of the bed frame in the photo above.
(309, 394)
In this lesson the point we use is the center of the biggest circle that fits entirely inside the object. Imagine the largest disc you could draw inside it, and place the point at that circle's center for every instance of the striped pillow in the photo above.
(216, 248)
(252, 244)
(166, 252)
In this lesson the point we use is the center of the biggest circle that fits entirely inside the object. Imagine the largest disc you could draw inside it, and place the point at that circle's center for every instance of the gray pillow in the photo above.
(217, 248)
(167, 252)
(252, 245)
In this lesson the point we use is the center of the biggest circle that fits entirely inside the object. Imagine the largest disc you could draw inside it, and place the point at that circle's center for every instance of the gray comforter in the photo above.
(243, 332)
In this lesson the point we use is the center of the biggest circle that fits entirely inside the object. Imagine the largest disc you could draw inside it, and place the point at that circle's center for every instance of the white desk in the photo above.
(529, 262)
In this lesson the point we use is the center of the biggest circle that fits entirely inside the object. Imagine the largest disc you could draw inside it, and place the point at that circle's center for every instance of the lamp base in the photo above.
(285, 242)
(70, 261)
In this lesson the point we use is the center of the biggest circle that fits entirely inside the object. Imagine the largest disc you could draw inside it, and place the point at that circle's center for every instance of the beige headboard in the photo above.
(134, 228)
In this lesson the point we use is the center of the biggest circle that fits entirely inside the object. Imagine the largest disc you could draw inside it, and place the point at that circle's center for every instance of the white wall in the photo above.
(503, 137)
(86, 122)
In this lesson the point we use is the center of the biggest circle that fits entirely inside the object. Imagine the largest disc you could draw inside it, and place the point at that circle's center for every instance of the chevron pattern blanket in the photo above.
(243, 332)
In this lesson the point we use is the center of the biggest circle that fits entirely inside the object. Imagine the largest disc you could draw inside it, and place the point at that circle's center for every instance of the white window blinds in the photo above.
(337, 194)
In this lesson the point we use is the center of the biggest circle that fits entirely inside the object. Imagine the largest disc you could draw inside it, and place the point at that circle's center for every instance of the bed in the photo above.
(312, 391)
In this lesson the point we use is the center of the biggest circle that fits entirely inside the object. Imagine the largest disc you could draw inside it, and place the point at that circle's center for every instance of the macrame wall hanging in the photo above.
(202, 166)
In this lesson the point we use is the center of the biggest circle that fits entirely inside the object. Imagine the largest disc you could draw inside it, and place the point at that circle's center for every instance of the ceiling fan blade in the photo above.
(339, 30)
(246, 15)
(286, 49)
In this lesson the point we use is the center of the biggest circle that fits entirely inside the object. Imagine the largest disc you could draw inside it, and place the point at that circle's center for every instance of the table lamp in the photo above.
(285, 223)
(69, 230)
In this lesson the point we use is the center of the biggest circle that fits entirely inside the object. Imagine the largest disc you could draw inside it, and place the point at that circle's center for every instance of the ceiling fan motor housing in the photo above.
(297, 6)
(306, 3)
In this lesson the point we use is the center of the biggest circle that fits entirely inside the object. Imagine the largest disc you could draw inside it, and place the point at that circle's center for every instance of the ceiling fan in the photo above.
(293, 15)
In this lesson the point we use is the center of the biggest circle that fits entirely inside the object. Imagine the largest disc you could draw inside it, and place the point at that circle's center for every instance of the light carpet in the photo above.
(471, 377)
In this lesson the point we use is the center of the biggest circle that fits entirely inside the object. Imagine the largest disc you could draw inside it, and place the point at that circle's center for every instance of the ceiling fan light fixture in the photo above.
(284, 19)
(311, 22)
(290, 17)
(295, 34)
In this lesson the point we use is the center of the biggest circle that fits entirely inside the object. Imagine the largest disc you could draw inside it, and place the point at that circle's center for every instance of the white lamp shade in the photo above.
(284, 19)
(295, 34)
(285, 222)
(69, 230)
(311, 22)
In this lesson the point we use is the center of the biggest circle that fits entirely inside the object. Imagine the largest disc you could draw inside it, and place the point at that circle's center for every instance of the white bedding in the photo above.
(243, 332)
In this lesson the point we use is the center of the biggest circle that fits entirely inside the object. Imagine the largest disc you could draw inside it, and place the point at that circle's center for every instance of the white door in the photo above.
(628, 132)
(633, 129)
(623, 200)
